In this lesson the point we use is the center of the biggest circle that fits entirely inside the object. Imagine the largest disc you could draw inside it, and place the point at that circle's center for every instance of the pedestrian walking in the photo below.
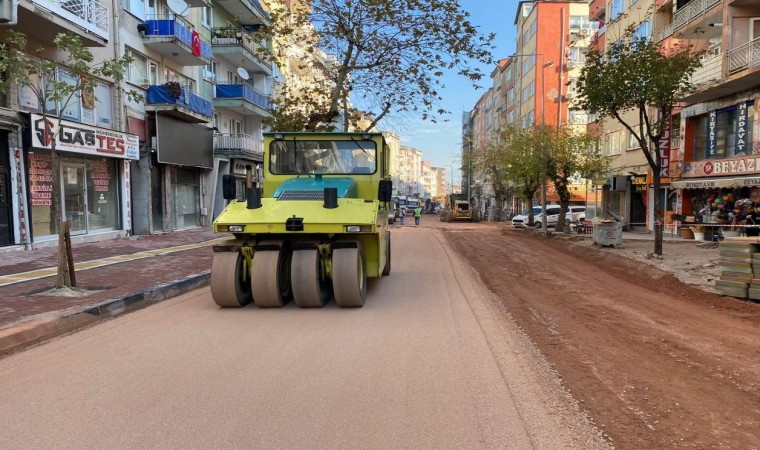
(403, 215)
(417, 215)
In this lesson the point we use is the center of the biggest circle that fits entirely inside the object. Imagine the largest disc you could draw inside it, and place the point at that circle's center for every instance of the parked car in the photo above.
(578, 212)
(574, 215)
(521, 220)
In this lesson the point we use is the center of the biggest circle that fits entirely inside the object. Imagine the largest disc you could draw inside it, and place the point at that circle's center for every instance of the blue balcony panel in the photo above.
(189, 106)
(242, 98)
(173, 38)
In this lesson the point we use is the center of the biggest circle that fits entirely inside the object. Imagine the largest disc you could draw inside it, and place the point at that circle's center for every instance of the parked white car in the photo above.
(574, 214)
(521, 220)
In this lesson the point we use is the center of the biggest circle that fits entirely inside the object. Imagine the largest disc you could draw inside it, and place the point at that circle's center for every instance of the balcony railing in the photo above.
(233, 145)
(692, 11)
(237, 37)
(89, 14)
(711, 69)
(161, 26)
(159, 95)
(245, 91)
(744, 56)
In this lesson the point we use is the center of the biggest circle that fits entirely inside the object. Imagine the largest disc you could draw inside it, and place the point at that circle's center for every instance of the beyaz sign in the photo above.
(79, 138)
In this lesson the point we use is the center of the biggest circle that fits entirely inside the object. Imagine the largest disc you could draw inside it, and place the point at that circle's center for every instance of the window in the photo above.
(511, 95)
(612, 146)
(579, 22)
(576, 55)
(207, 17)
(616, 8)
(531, 117)
(71, 107)
(644, 30)
(136, 8)
(141, 71)
(632, 142)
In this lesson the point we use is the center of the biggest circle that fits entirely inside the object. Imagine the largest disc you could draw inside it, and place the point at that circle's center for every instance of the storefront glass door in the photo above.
(74, 195)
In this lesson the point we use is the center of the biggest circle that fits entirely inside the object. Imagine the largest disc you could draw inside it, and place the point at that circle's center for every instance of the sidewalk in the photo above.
(119, 275)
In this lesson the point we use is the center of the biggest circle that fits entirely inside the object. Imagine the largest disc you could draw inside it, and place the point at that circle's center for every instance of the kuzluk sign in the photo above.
(78, 138)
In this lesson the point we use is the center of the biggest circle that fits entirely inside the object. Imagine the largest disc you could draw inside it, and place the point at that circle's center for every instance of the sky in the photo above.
(440, 142)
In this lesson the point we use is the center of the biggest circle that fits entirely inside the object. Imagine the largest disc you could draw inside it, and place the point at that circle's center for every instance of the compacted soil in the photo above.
(655, 362)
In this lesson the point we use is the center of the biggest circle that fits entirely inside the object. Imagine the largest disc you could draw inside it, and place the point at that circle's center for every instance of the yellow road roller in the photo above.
(315, 225)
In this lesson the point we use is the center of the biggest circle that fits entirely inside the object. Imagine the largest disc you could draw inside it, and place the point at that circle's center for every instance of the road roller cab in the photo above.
(316, 227)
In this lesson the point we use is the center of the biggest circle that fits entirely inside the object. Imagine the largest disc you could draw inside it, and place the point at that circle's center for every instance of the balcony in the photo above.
(187, 105)
(239, 146)
(246, 12)
(238, 48)
(44, 19)
(172, 36)
(242, 98)
(744, 56)
(711, 70)
(694, 10)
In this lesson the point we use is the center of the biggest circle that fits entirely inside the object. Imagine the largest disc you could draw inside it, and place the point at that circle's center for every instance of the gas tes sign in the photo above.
(79, 138)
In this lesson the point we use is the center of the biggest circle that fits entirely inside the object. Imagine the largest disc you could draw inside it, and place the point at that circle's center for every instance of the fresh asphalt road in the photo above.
(431, 361)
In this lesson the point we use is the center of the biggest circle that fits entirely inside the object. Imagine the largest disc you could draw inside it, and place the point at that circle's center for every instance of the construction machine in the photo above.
(459, 208)
(316, 228)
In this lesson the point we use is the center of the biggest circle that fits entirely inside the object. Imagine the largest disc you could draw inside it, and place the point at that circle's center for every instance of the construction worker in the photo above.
(417, 215)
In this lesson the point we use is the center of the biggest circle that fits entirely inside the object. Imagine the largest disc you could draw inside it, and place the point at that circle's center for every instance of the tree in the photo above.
(512, 158)
(387, 56)
(53, 82)
(568, 154)
(637, 75)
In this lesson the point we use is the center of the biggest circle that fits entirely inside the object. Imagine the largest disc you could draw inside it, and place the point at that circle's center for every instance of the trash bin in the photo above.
(608, 233)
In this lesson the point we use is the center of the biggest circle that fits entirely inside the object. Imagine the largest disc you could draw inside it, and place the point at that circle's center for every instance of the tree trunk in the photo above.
(63, 278)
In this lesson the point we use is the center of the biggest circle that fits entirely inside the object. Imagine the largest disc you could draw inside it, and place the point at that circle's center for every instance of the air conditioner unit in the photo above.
(570, 64)
(570, 95)
(585, 31)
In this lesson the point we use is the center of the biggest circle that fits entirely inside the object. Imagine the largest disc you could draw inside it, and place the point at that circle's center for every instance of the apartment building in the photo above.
(714, 147)
(205, 91)
(410, 166)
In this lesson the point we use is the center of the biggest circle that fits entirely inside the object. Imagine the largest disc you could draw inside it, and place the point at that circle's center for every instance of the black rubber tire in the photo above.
(311, 288)
(270, 277)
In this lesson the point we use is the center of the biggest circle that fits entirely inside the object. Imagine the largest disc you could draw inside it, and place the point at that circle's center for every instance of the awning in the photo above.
(709, 183)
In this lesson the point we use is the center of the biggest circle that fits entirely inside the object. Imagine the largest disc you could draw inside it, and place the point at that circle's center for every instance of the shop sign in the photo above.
(722, 167)
(79, 138)
(639, 183)
(741, 129)
(712, 134)
(665, 151)
(41, 179)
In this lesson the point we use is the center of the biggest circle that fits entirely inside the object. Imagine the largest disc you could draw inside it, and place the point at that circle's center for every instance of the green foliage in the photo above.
(640, 76)
(513, 157)
(389, 55)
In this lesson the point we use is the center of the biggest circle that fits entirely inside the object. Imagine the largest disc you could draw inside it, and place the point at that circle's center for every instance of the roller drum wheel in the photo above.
(228, 288)
(270, 279)
(309, 282)
(349, 277)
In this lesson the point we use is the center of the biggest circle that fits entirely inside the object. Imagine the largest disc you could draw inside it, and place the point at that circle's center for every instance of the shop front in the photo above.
(91, 180)
(184, 159)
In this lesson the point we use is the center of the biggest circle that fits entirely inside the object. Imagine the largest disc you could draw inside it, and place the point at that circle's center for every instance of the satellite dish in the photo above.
(243, 73)
(178, 7)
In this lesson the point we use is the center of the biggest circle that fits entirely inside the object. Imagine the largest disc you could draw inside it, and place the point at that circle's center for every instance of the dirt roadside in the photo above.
(654, 361)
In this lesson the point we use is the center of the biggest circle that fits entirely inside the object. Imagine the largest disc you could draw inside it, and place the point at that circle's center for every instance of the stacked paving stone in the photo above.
(738, 274)
(754, 286)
